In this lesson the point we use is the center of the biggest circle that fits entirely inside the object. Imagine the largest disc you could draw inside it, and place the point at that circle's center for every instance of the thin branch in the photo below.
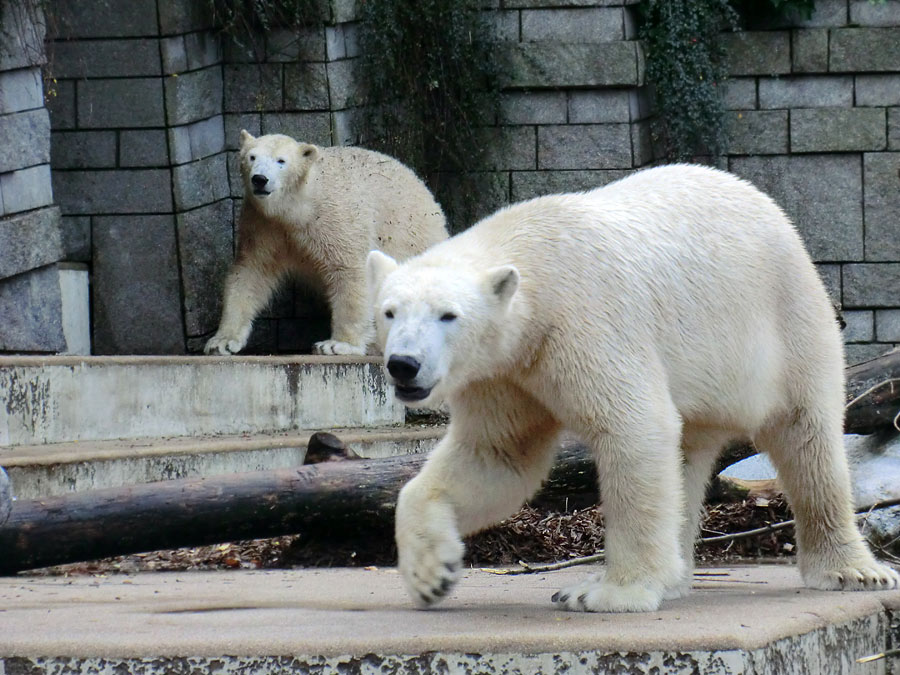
(872, 390)
(534, 568)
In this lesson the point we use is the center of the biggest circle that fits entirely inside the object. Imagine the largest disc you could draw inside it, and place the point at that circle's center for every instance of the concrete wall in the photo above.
(148, 103)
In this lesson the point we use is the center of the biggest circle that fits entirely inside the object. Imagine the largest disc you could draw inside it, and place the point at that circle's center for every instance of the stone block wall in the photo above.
(813, 115)
(43, 301)
(147, 101)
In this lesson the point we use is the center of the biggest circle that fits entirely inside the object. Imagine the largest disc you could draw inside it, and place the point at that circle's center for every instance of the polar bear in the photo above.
(316, 212)
(659, 318)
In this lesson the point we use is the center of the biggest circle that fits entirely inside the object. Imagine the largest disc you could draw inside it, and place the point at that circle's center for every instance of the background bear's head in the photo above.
(440, 323)
(273, 165)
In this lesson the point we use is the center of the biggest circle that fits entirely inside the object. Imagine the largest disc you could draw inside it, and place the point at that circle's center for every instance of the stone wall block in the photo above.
(22, 31)
(506, 147)
(113, 191)
(469, 198)
(136, 291)
(105, 58)
(529, 184)
(810, 50)
(25, 139)
(595, 146)
(887, 325)
(205, 243)
(501, 25)
(600, 24)
(234, 124)
(871, 284)
(61, 104)
(838, 129)
(758, 52)
(200, 182)
(76, 238)
(183, 16)
(537, 107)
(601, 106)
(198, 140)
(540, 64)
(864, 49)
(881, 176)
(107, 19)
(21, 90)
(194, 96)
(822, 194)
(143, 148)
(305, 86)
(868, 13)
(311, 127)
(288, 46)
(345, 88)
(253, 87)
(894, 129)
(25, 189)
(806, 92)
(29, 240)
(878, 90)
(757, 132)
(739, 93)
(860, 326)
(830, 274)
(192, 51)
(120, 103)
(83, 149)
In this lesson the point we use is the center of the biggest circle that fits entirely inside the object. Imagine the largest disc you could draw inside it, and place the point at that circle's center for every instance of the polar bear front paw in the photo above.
(869, 576)
(595, 594)
(224, 345)
(334, 347)
(430, 560)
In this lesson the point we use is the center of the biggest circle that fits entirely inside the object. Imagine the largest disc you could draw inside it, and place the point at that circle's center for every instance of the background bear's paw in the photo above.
(430, 566)
(334, 347)
(597, 595)
(871, 576)
(223, 345)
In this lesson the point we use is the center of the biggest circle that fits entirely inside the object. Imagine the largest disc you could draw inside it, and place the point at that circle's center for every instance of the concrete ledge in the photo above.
(755, 619)
(52, 400)
(38, 471)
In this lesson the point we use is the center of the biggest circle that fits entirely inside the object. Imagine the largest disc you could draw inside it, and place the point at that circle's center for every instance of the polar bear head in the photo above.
(439, 325)
(274, 165)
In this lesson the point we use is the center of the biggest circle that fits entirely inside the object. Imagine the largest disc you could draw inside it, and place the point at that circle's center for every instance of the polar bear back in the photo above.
(683, 273)
(368, 187)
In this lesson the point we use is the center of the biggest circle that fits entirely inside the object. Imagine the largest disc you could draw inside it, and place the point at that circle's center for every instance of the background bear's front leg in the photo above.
(492, 459)
(247, 290)
(351, 320)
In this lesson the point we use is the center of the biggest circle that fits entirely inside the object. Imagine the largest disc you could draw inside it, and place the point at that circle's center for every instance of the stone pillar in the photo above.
(43, 304)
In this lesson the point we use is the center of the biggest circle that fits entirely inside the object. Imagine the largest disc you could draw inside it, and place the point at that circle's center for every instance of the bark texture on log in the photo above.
(878, 408)
(336, 499)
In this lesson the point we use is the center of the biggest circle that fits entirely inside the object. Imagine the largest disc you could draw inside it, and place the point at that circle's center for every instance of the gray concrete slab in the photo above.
(737, 620)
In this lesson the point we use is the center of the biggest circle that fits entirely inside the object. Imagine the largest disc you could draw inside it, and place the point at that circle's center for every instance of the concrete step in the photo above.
(65, 398)
(60, 468)
(742, 620)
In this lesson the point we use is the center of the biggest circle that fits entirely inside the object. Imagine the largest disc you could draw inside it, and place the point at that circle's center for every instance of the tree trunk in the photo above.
(341, 500)
(873, 394)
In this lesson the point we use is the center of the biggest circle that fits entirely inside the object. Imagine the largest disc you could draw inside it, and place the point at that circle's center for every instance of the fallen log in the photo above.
(873, 394)
(341, 500)
(5, 497)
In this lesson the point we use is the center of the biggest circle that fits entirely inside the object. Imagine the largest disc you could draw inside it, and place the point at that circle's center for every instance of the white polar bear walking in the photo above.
(659, 317)
(316, 213)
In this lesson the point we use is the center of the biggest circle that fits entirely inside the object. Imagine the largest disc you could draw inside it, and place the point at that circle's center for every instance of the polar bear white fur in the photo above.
(659, 318)
(316, 213)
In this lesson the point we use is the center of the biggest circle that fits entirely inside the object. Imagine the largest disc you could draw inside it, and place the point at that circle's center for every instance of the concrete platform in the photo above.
(751, 620)
(57, 399)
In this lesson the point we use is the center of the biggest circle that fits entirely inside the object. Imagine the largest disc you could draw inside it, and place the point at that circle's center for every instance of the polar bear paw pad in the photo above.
(336, 347)
(871, 577)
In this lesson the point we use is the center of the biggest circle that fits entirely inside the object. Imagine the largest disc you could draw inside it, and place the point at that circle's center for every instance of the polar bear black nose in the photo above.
(403, 367)
(258, 180)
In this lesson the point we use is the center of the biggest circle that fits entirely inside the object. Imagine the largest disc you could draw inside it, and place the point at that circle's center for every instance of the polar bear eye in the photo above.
(388, 314)
(252, 158)
(280, 160)
(447, 317)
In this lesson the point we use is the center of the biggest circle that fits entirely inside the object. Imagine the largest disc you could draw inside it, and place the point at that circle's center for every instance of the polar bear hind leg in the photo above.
(808, 454)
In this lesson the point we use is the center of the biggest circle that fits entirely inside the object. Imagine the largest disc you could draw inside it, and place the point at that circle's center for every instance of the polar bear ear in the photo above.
(503, 282)
(246, 137)
(378, 266)
(308, 151)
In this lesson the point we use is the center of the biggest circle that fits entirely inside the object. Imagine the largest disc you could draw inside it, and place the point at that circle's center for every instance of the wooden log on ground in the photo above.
(342, 500)
(5, 497)
(873, 394)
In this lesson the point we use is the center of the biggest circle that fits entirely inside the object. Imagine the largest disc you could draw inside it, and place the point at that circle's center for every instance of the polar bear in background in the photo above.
(659, 317)
(317, 212)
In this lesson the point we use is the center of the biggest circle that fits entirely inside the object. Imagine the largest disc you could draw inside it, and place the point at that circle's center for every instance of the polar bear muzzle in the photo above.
(404, 370)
